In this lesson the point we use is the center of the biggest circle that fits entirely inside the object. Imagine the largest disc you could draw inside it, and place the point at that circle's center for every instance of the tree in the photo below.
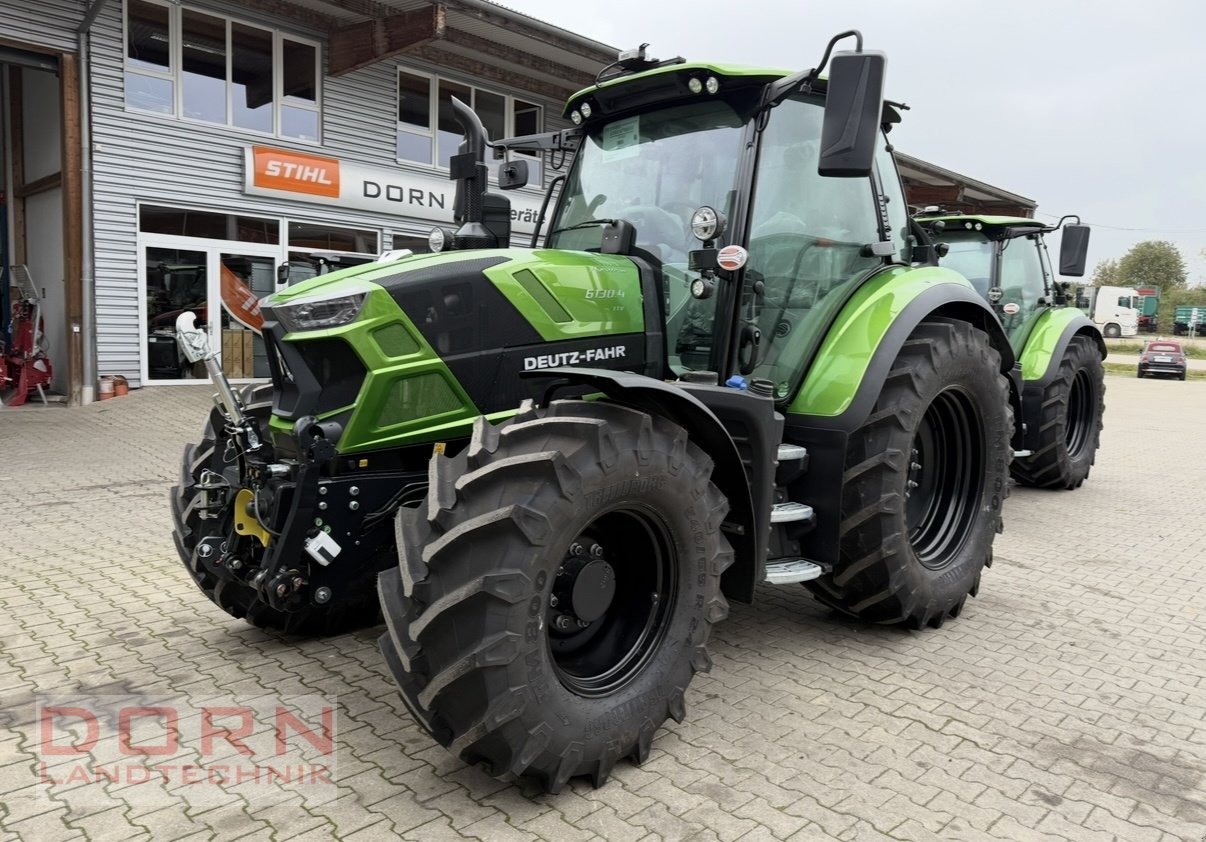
(1153, 263)
(1105, 273)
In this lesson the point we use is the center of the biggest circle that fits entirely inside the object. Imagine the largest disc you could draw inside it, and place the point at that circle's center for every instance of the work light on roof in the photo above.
(712, 85)
(576, 116)
(694, 85)
(585, 109)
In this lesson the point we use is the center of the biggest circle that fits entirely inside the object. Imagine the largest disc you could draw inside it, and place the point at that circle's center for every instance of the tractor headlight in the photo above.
(319, 313)
(707, 224)
(437, 240)
(585, 109)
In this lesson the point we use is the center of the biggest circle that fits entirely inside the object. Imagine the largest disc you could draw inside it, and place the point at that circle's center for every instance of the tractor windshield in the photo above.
(971, 256)
(654, 170)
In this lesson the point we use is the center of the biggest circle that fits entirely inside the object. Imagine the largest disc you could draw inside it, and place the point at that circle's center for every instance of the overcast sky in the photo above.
(1093, 108)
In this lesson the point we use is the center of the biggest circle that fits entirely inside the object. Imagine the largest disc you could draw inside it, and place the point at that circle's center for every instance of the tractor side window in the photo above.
(1022, 284)
(807, 235)
(897, 208)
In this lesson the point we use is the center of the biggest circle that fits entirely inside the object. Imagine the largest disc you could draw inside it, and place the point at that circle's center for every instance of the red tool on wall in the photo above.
(24, 365)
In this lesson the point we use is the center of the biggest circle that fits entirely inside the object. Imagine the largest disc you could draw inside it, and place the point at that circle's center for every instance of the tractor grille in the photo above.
(314, 377)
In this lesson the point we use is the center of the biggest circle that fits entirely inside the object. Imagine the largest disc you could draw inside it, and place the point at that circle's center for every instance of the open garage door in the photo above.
(40, 190)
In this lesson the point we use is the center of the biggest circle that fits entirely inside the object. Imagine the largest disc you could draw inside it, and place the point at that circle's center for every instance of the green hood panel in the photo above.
(572, 294)
(839, 367)
(407, 391)
(1044, 340)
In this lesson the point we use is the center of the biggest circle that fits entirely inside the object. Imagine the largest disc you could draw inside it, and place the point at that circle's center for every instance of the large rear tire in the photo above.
(926, 476)
(1073, 405)
(355, 606)
(554, 595)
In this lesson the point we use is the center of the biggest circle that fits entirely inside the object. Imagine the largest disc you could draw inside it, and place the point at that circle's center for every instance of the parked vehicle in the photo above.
(1147, 302)
(1188, 321)
(781, 391)
(1163, 358)
(1111, 309)
(1063, 398)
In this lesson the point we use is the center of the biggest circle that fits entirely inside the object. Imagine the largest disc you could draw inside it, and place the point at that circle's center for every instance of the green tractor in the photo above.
(732, 365)
(1059, 350)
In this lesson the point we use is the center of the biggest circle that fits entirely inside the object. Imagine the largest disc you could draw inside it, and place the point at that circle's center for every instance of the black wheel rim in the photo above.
(942, 488)
(599, 656)
(1080, 414)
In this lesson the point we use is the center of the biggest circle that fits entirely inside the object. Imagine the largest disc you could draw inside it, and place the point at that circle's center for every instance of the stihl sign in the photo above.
(314, 178)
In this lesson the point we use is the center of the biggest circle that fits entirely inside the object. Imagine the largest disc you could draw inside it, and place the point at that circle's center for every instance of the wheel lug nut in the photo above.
(554, 601)
(912, 484)
(576, 549)
(596, 551)
(583, 624)
(916, 466)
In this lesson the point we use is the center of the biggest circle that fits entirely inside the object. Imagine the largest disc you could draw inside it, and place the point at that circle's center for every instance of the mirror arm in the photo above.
(564, 140)
(778, 91)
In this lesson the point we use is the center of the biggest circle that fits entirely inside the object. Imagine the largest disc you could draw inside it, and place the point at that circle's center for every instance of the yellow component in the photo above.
(363, 463)
(245, 523)
(438, 448)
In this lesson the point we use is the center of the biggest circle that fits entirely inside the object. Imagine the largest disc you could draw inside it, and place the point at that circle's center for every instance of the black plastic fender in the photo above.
(691, 406)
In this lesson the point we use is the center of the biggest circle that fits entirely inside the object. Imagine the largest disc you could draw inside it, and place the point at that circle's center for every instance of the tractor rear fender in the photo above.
(1045, 348)
(849, 373)
(708, 413)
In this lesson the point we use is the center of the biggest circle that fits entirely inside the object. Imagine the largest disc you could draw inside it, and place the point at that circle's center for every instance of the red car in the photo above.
(1163, 358)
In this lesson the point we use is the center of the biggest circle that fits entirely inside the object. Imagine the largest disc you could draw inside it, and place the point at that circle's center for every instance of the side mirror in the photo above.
(853, 107)
(282, 274)
(193, 341)
(512, 175)
(1073, 250)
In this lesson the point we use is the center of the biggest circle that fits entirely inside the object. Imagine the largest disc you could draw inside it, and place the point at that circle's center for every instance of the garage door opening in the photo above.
(39, 186)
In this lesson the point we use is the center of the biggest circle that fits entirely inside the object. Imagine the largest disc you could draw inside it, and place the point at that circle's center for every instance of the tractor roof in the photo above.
(667, 82)
(984, 220)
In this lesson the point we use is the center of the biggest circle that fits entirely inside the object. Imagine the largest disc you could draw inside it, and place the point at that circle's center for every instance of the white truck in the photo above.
(1111, 309)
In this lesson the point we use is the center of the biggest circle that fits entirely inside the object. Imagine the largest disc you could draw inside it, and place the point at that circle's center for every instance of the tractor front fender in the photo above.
(698, 409)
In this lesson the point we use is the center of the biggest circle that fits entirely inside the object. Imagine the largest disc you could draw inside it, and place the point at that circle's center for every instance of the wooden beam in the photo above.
(297, 14)
(16, 130)
(46, 182)
(933, 194)
(574, 78)
(362, 44)
(547, 38)
(73, 222)
(490, 72)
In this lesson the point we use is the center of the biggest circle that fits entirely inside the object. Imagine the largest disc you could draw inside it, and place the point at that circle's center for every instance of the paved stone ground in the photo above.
(1068, 702)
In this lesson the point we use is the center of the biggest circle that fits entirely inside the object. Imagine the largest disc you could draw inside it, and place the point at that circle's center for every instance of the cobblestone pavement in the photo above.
(1068, 702)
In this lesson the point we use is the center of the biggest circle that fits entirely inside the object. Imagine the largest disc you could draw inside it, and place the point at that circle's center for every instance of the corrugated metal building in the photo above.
(210, 143)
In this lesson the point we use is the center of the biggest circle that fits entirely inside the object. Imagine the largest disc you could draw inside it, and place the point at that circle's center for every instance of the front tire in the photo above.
(1112, 331)
(926, 476)
(554, 595)
(1073, 405)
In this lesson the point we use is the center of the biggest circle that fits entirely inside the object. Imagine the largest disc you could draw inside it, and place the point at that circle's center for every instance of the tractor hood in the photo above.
(392, 349)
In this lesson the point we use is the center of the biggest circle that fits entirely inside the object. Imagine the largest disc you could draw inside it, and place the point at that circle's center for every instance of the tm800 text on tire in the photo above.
(554, 596)
(1073, 404)
(925, 479)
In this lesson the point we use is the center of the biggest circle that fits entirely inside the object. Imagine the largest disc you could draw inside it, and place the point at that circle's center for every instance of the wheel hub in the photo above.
(585, 584)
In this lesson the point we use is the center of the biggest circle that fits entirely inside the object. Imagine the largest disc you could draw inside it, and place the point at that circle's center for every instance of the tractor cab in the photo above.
(1007, 262)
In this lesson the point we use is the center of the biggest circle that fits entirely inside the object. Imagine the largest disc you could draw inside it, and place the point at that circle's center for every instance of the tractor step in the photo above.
(793, 462)
(788, 571)
(792, 512)
(792, 452)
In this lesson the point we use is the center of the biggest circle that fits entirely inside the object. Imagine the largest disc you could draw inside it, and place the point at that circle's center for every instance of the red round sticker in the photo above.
(1011, 308)
(732, 257)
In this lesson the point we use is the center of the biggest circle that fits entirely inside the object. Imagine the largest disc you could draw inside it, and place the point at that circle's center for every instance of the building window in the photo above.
(428, 132)
(209, 225)
(316, 249)
(198, 66)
